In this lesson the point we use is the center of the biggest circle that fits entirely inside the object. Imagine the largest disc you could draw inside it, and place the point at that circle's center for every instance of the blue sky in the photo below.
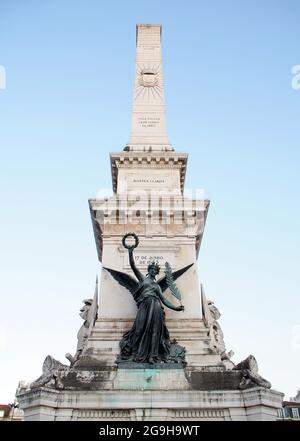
(230, 104)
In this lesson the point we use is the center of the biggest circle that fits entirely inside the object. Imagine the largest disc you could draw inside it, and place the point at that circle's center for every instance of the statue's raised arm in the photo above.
(130, 249)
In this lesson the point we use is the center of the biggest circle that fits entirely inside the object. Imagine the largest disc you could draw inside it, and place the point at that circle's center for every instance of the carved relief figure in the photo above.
(215, 328)
(211, 315)
(51, 370)
(89, 314)
(250, 375)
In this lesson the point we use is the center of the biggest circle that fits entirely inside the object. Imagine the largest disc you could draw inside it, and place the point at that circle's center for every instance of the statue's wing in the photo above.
(124, 280)
(163, 281)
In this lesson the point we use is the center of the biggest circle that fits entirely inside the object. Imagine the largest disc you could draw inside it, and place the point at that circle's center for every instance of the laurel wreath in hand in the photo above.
(130, 247)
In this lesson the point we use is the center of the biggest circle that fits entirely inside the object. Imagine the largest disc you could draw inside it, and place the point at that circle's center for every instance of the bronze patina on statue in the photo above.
(148, 340)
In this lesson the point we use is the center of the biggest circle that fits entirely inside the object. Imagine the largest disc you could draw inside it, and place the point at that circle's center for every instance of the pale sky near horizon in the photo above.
(230, 104)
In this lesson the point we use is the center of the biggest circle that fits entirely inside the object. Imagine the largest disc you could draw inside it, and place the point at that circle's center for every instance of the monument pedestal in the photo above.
(160, 404)
(103, 343)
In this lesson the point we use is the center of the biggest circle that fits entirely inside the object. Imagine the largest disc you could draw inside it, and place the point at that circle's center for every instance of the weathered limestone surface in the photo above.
(148, 113)
(256, 404)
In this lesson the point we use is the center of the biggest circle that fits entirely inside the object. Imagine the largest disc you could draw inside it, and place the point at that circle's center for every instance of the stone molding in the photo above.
(135, 160)
(255, 404)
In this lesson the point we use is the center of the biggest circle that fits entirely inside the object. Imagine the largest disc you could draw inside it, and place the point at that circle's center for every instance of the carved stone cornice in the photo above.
(103, 211)
(148, 160)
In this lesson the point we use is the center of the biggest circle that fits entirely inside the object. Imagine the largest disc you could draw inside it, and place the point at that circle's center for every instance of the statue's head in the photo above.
(153, 269)
(213, 310)
(85, 309)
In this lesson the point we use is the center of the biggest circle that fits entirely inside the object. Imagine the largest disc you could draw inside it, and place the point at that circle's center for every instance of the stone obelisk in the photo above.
(149, 130)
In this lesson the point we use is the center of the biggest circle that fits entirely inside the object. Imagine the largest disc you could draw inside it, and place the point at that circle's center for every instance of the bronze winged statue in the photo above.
(148, 340)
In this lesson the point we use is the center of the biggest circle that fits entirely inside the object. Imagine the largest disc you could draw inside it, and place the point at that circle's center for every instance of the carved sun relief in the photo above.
(149, 81)
(148, 78)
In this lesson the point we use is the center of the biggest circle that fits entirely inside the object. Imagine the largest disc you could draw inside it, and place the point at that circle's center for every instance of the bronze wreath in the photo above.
(132, 246)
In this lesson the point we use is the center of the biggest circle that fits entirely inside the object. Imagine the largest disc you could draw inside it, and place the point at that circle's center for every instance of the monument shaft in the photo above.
(148, 115)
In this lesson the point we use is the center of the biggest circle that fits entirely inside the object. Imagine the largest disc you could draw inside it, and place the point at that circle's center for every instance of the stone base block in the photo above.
(151, 379)
(255, 404)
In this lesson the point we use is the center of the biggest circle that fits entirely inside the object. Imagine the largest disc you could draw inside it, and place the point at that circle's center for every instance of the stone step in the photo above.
(116, 333)
(176, 329)
(180, 323)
